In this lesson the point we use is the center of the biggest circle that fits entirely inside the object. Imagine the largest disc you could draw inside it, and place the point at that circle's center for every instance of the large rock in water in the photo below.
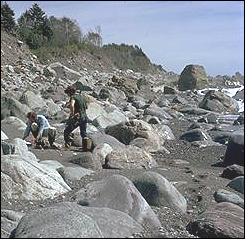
(192, 77)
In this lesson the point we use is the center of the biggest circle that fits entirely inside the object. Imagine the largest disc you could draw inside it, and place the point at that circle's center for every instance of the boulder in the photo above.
(25, 179)
(235, 150)
(222, 195)
(225, 220)
(87, 160)
(219, 102)
(196, 134)
(118, 193)
(237, 183)
(9, 221)
(12, 107)
(130, 157)
(32, 100)
(158, 191)
(233, 171)
(70, 220)
(192, 77)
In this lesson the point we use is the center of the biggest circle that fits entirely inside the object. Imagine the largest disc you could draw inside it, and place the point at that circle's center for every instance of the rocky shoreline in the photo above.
(165, 162)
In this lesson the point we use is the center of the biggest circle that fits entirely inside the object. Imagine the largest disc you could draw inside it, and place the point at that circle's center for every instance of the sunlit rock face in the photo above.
(192, 77)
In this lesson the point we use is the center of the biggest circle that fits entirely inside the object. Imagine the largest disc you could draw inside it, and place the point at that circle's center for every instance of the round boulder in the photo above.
(192, 77)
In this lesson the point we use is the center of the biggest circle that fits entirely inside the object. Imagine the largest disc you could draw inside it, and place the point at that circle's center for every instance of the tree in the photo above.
(7, 17)
(65, 31)
(34, 27)
(95, 37)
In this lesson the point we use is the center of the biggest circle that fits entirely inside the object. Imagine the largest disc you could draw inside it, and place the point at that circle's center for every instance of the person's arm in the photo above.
(27, 131)
(41, 128)
(72, 107)
(85, 103)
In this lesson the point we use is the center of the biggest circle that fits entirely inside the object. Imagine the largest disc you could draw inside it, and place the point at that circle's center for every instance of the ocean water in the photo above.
(228, 91)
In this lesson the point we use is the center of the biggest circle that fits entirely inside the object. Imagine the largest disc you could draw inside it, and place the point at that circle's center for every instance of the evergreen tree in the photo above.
(34, 27)
(7, 17)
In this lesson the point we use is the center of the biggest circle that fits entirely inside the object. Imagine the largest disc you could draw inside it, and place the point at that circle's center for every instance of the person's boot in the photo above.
(51, 135)
(84, 144)
(66, 146)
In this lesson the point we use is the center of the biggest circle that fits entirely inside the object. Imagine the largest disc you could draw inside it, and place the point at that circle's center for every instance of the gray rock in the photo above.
(87, 160)
(69, 220)
(158, 191)
(157, 111)
(194, 111)
(12, 107)
(237, 183)
(222, 195)
(225, 220)
(74, 173)
(32, 100)
(235, 150)
(233, 171)
(24, 178)
(192, 77)
(131, 157)
(9, 221)
(219, 102)
(197, 134)
(118, 193)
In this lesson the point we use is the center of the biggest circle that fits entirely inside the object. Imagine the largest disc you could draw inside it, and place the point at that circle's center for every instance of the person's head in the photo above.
(70, 90)
(32, 116)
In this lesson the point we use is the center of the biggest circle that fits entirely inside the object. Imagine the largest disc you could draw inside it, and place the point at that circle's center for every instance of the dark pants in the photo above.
(72, 124)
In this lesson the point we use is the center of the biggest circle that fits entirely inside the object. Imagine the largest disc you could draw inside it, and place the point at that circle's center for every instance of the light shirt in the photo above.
(42, 124)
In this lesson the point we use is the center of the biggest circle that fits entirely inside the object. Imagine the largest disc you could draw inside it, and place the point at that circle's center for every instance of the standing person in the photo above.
(78, 117)
(40, 127)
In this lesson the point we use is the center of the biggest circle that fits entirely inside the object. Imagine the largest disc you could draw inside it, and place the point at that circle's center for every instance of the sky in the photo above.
(173, 34)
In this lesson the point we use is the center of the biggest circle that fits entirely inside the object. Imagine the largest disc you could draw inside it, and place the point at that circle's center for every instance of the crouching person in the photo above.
(40, 128)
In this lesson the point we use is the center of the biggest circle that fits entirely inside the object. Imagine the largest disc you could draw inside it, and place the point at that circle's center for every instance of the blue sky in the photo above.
(171, 33)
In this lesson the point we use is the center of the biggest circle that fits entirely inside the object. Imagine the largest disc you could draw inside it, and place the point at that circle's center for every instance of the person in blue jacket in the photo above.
(39, 126)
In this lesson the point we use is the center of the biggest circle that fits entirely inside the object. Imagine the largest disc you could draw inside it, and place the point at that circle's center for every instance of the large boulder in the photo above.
(32, 100)
(225, 220)
(192, 77)
(24, 178)
(233, 171)
(130, 157)
(9, 221)
(219, 102)
(195, 135)
(128, 131)
(13, 127)
(222, 195)
(12, 107)
(127, 85)
(158, 191)
(235, 150)
(118, 193)
(69, 220)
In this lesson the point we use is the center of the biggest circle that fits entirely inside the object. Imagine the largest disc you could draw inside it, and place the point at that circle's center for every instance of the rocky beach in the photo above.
(167, 156)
